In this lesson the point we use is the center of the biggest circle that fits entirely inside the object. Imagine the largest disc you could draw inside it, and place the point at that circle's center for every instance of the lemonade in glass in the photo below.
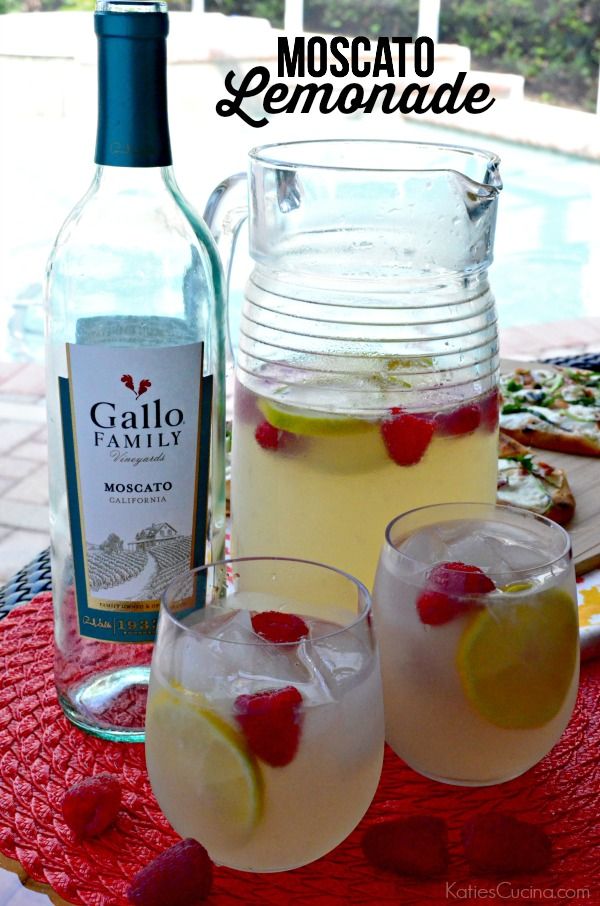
(475, 609)
(264, 728)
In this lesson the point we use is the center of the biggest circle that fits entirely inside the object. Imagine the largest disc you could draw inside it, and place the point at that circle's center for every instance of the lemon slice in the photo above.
(313, 425)
(516, 661)
(224, 777)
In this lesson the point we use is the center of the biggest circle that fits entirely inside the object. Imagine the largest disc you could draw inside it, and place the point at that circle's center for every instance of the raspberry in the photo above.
(267, 436)
(179, 876)
(275, 626)
(451, 582)
(436, 608)
(416, 846)
(460, 579)
(271, 721)
(90, 806)
(490, 410)
(497, 844)
(459, 421)
(406, 436)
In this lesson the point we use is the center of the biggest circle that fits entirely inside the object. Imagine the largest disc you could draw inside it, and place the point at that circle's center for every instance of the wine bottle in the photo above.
(135, 388)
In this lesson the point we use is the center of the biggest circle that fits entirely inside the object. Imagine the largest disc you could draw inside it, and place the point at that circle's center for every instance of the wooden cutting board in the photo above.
(583, 473)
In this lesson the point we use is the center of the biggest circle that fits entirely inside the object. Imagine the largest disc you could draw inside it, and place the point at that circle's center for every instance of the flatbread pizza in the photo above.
(552, 408)
(526, 481)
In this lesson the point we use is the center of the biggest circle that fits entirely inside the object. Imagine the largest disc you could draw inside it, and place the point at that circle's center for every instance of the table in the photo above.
(561, 792)
(28, 582)
(31, 580)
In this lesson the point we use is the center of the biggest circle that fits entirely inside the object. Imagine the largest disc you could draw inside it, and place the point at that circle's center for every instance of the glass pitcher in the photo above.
(367, 356)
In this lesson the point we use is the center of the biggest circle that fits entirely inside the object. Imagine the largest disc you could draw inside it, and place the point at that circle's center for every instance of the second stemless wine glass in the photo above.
(475, 606)
(264, 728)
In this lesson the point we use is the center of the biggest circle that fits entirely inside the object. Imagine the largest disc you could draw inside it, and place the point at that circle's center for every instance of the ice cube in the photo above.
(510, 556)
(424, 548)
(496, 548)
(232, 660)
(199, 663)
(336, 662)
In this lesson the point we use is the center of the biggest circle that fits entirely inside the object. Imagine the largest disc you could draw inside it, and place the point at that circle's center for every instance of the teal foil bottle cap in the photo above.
(133, 127)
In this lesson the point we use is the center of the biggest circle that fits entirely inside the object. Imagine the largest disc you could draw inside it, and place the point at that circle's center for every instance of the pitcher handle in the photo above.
(225, 212)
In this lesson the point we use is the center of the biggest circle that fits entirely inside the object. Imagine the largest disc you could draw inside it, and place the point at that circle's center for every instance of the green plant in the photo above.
(362, 17)
(555, 44)
(264, 9)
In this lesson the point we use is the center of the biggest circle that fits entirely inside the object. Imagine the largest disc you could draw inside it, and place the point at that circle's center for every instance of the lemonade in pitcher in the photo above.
(323, 484)
(367, 354)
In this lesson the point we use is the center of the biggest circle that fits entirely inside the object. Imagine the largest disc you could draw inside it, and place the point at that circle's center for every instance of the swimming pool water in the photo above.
(547, 250)
(547, 253)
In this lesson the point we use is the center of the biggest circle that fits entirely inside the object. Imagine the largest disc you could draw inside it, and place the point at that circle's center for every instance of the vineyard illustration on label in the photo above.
(138, 570)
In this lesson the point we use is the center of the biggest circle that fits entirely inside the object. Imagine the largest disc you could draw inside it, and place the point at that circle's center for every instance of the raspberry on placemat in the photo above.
(179, 876)
(415, 846)
(91, 806)
(497, 844)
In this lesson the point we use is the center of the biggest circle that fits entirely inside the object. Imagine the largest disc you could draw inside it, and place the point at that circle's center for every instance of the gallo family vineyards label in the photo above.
(136, 434)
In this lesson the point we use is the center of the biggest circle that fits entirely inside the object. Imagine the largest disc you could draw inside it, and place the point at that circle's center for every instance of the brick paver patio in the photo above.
(23, 466)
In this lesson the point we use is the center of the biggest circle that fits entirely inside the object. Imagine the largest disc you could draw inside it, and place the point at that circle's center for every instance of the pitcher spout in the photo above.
(381, 210)
(481, 196)
(492, 174)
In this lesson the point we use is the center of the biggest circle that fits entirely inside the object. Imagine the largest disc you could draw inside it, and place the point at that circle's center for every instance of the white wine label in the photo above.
(136, 433)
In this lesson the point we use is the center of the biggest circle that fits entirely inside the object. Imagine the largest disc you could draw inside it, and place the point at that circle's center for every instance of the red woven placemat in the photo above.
(41, 754)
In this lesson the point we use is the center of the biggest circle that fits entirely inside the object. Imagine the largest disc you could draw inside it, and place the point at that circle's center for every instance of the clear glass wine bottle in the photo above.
(135, 388)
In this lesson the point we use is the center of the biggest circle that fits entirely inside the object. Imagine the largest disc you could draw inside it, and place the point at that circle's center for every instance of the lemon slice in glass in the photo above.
(516, 660)
(314, 425)
(224, 778)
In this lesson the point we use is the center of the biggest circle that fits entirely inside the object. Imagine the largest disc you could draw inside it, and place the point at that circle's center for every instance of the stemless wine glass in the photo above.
(264, 727)
(475, 607)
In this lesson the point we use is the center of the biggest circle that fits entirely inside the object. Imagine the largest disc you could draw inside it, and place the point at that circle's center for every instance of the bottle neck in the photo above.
(133, 128)
(146, 180)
